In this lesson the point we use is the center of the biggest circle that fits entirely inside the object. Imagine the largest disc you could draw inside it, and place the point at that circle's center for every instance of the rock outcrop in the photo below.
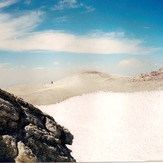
(29, 135)
(151, 76)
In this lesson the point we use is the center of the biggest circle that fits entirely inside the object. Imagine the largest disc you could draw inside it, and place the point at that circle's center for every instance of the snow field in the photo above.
(113, 126)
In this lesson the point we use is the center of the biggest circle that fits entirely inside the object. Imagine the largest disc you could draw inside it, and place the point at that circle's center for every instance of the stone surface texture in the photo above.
(29, 135)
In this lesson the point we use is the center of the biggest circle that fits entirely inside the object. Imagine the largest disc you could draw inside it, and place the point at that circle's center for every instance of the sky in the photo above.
(46, 40)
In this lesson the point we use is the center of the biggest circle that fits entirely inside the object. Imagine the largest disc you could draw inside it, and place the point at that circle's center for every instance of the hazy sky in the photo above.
(43, 40)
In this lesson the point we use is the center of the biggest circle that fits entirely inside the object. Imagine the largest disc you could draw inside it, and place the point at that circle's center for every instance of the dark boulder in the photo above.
(29, 135)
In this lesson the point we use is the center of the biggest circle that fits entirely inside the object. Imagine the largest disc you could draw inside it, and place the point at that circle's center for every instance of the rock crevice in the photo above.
(29, 135)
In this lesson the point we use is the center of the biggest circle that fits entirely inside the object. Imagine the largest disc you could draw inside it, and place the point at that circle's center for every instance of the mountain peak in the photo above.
(91, 72)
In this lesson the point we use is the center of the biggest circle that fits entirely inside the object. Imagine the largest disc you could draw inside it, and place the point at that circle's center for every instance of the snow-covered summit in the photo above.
(78, 84)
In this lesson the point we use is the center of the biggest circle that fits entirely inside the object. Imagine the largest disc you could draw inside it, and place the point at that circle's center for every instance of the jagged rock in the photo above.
(150, 76)
(28, 135)
(8, 148)
(25, 154)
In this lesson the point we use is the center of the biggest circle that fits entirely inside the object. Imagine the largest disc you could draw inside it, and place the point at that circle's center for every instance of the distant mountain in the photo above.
(78, 84)
(150, 76)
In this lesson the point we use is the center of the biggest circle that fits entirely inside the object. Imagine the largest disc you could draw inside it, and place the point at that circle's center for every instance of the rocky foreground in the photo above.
(29, 135)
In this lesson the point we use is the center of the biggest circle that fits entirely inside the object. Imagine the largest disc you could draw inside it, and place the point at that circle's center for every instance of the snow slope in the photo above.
(113, 126)
(78, 84)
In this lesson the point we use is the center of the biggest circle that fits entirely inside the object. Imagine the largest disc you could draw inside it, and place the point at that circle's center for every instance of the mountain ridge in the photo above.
(149, 76)
(78, 84)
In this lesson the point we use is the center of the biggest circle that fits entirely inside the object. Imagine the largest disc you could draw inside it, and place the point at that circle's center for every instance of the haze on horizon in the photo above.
(43, 41)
